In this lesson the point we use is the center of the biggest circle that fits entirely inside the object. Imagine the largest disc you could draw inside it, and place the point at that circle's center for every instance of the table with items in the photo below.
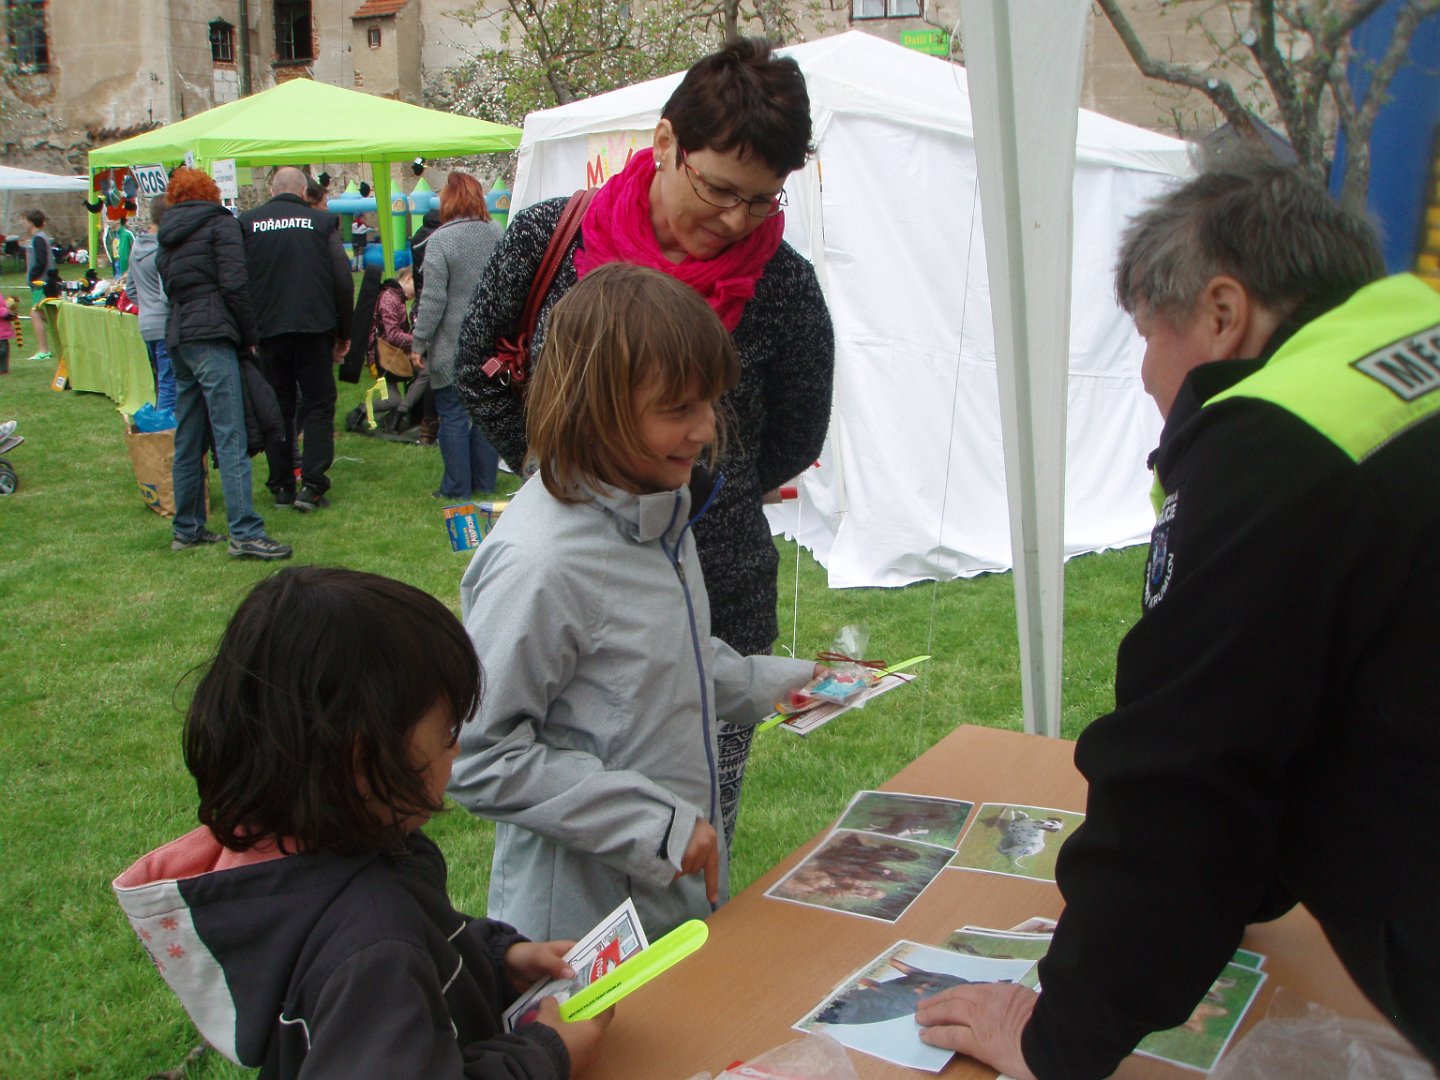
(892, 895)
(102, 352)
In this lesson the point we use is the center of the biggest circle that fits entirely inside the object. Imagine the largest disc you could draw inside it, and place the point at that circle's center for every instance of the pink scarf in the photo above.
(617, 228)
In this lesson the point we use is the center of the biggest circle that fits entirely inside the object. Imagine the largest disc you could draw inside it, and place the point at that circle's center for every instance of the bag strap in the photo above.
(566, 229)
(560, 240)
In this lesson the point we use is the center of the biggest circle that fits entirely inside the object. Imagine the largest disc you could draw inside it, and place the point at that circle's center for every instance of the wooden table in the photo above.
(768, 962)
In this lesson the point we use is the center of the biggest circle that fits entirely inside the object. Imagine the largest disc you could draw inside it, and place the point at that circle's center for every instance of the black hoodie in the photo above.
(202, 265)
(334, 965)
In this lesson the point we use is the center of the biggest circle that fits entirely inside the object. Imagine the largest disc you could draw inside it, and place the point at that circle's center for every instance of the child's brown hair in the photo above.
(621, 327)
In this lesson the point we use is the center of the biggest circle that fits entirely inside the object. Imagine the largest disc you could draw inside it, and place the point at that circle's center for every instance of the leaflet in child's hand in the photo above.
(615, 939)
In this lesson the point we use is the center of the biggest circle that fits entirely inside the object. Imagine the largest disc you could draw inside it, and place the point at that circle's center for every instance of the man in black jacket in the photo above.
(1274, 738)
(304, 297)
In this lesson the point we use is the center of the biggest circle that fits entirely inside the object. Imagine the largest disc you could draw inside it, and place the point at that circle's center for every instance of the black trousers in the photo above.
(303, 363)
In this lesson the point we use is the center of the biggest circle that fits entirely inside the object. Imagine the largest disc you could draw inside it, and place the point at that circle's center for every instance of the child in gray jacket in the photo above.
(594, 749)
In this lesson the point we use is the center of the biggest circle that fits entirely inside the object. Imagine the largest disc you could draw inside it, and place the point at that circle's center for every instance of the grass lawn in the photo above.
(102, 621)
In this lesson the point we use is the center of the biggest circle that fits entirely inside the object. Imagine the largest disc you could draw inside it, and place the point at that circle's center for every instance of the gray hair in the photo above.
(1270, 227)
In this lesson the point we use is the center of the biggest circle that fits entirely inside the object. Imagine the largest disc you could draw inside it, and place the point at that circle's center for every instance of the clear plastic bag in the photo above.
(811, 1057)
(1300, 1040)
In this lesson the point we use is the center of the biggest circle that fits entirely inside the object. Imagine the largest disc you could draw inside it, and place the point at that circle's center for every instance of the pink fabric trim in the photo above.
(617, 228)
(194, 854)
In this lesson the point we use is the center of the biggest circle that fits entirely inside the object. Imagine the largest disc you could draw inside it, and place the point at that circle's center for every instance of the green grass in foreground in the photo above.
(102, 620)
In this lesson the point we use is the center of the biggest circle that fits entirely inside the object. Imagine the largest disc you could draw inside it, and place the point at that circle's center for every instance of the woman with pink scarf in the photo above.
(705, 203)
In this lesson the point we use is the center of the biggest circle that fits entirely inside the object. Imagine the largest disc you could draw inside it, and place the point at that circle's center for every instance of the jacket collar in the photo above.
(1203, 383)
(644, 518)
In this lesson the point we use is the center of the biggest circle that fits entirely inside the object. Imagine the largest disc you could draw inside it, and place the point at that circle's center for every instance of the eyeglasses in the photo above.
(766, 206)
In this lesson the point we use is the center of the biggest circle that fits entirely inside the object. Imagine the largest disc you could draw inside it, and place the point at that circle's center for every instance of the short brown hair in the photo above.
(620, 327)
(743, 97)
(188, 185)
(462, 197)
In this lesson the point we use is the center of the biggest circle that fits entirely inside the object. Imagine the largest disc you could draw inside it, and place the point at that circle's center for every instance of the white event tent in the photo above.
(30, 182)
(911, 484)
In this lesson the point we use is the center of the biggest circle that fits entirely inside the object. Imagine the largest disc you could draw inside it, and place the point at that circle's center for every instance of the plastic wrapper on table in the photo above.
(1300, 1040)
(814, 1057)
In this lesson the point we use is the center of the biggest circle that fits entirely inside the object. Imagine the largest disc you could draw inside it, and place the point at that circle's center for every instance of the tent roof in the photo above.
(859, 74)
(303, 121)
(26, 180)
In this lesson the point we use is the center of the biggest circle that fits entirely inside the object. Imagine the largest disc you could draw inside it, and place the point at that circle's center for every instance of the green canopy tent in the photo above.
(302, 121)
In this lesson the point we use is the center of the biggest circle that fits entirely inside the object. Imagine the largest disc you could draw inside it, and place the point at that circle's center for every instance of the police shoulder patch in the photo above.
(1160, 567)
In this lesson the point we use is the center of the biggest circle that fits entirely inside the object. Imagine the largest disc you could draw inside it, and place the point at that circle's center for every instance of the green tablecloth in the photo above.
(104, 353)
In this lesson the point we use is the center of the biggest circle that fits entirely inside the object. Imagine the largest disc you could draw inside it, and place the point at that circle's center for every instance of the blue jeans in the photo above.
(208, 396)
(164, 373)
(470, 461)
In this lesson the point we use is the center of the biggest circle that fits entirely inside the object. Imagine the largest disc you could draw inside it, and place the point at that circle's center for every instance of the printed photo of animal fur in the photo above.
(1199, 1042)
(876, 877)
(873, 1011)
(907, 817)
(1021, 841)
(998, 944)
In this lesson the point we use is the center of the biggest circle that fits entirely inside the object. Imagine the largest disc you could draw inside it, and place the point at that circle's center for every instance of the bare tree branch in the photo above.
(1220, 93)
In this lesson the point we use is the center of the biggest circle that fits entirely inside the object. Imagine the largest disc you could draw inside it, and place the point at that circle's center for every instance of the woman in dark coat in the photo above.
(705, 204)
(202, 265)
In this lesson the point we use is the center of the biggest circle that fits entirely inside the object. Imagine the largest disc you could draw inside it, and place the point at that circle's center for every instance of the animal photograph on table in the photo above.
(907, 817)
(875, 877)
(873, 1009)
(1200, 1040)
(1020, 841)
(998, 944)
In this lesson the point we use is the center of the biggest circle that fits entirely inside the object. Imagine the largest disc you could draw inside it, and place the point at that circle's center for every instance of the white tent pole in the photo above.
(1023, 58)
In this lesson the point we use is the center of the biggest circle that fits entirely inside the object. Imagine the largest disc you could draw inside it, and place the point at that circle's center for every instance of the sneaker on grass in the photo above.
(41, 356)
(309, 499)
(261, 547)
(185, 543)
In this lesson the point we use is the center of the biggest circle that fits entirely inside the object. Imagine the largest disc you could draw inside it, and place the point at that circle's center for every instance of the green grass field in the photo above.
(101, 621)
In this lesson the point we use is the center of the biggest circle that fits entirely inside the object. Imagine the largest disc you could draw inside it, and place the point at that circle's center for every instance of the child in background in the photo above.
(393, 325)
(8, 318)
(306, 925)
(594, 749)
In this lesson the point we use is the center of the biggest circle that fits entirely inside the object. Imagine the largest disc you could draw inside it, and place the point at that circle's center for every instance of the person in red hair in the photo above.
(202, 265)
(456, 255)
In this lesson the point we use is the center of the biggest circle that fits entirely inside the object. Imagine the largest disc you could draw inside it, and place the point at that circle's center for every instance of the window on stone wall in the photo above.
(373, 36)
(25, 26)
(222, 42)
(885, 9)
(292, 30)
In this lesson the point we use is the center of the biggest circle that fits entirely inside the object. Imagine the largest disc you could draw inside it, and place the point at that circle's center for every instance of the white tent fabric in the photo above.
(1025, 132)
(28, 181)
(911, 484)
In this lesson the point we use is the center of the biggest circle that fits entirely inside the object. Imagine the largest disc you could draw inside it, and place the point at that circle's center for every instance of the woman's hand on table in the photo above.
(982, 1021)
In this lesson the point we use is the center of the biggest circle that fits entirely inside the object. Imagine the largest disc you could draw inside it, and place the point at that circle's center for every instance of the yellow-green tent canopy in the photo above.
(300, 122)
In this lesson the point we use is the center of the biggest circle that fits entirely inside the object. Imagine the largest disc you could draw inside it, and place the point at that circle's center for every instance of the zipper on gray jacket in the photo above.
(674, 556)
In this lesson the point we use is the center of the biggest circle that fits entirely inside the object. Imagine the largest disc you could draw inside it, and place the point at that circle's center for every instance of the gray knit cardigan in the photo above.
(455, 256)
